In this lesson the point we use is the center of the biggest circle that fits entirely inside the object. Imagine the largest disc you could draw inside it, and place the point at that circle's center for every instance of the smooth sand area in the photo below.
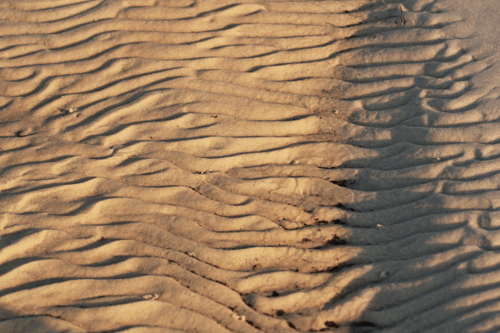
(249, 166)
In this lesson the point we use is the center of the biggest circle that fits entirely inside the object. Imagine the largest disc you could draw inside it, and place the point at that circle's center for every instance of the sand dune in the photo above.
(245, 166)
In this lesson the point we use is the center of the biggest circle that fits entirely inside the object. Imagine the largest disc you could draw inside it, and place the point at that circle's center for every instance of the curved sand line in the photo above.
(227, 166)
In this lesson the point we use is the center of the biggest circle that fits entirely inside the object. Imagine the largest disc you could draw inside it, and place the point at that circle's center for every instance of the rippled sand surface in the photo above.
(246, 166)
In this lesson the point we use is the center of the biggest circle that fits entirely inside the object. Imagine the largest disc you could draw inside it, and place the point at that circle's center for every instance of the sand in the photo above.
(249, 166)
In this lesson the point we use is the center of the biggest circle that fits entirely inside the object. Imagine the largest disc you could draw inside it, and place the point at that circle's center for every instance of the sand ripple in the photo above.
(226, 166)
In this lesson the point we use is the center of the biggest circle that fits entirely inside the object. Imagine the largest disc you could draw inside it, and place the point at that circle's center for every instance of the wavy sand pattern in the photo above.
(244, 166)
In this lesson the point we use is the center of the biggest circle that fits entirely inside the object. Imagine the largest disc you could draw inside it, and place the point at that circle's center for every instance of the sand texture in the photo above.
(223, 166)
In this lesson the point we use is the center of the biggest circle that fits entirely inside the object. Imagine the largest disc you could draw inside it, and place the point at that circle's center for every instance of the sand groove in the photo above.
(226, 166)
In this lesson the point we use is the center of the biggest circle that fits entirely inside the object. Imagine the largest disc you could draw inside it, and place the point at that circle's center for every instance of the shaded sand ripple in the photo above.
(244, 166)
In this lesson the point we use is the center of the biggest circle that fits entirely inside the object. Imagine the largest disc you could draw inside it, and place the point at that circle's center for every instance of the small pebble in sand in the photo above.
(152, 297)
(192, 254)
(380, 226)
(238, 317)
(384, 274)
(438, 159)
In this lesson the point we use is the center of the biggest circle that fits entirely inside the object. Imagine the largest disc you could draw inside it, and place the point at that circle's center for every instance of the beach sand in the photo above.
(249, 166)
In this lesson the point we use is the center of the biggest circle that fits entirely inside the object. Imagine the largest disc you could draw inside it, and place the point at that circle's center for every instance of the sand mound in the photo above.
(244, 166)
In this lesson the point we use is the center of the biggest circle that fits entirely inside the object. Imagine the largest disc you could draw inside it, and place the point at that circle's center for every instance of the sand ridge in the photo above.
(244, 166)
